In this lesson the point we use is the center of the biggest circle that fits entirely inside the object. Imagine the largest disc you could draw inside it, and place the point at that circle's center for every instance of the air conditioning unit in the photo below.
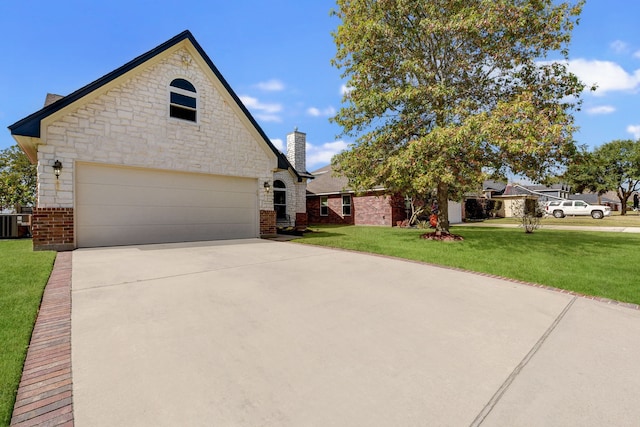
(24, 220)
(8, 226)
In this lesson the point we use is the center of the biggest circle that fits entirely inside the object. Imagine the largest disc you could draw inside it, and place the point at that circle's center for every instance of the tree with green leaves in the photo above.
(18, 179)
(614, 166)
(586, 173)
(444, 93)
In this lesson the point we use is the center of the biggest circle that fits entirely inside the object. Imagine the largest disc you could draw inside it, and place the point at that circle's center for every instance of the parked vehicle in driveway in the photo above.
(562, 208)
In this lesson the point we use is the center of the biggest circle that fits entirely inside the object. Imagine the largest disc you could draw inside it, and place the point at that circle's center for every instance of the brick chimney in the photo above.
(297, 149)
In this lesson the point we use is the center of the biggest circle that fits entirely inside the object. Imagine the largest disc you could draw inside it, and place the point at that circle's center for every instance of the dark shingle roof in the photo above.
(494, 186)
(325, 182)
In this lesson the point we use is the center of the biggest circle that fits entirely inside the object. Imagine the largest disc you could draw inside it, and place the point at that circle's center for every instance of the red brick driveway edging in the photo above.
(45, 390)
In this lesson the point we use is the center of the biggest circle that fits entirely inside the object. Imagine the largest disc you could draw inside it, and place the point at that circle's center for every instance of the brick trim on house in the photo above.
(301, 220)
(267, 223)
(53, 229)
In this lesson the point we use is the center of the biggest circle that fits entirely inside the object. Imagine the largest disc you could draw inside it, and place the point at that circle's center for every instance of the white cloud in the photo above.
(618, 46)
(634, 130)
(607, 75)
(601, 109)
(636, 54)
(251, 102)
(262, 111)
(273, 85)
(278, 143)
(268, 118)
(315, 112)
(320, 155)
(345, 90)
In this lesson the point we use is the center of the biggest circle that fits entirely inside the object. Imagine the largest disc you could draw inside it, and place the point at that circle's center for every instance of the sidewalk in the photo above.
(554, 227)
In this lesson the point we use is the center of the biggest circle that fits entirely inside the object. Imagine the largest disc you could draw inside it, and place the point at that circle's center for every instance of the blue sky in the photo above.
(276, 56)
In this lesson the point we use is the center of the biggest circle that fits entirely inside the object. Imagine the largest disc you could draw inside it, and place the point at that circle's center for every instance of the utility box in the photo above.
(8, 226)
(15, 226)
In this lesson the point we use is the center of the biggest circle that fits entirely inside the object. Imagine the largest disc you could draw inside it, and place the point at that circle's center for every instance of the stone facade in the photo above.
(296, 190)
(296, 150)
(129, 124)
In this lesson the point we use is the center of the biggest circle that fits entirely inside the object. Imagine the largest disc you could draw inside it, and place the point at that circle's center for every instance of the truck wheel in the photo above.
(596, 214)
(558, 214)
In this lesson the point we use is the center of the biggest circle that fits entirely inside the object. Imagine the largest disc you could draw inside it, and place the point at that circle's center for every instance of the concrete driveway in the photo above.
(260, 333)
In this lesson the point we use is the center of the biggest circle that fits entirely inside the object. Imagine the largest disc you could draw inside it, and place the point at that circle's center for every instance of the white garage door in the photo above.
(125, 206)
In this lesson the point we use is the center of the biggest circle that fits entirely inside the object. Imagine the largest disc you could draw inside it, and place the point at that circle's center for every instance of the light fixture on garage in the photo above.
(57, 167)
(267, 186)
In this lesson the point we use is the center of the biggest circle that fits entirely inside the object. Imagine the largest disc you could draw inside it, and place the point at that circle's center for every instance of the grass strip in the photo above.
(591, 263)
(23, 277)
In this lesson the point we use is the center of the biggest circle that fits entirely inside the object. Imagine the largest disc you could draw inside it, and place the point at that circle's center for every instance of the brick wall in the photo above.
(52, 229)
(373, 210)
(335, 211)
(369, 209)
(301, 220)
(267, 222)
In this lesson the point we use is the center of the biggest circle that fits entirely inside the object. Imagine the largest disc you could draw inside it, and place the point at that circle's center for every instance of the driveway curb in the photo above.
(45, 390)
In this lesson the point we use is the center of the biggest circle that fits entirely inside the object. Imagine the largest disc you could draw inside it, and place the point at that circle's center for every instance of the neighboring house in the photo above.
(331, 201)
(159, 150)
(492, 188)
(510, 197)
(542, 192)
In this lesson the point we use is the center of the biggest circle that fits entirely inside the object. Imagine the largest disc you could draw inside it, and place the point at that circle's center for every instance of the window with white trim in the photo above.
(183, 100)
(346, 204)
(324, 206)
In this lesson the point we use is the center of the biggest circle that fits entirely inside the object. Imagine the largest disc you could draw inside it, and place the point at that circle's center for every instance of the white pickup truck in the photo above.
(562, 208)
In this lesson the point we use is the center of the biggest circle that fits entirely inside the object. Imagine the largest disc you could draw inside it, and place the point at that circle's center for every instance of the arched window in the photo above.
(280, 199)
(183, 100)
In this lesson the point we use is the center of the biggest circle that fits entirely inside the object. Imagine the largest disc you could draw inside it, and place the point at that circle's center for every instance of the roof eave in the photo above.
(29, 145)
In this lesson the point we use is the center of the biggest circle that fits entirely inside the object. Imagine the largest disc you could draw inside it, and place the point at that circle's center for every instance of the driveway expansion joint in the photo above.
(505, 385)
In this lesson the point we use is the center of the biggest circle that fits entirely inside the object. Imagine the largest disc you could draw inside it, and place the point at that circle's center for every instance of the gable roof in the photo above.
(324, 183)
(491, 185)
(30, 126)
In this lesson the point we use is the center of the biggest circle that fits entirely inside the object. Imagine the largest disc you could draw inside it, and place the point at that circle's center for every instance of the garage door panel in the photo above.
(163, 216)
(148, 234)
(150, 178)
(119, 206)
(102, 195)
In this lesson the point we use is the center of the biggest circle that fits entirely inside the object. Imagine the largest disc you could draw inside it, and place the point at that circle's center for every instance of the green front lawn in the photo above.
(591, 263)
(23, 276)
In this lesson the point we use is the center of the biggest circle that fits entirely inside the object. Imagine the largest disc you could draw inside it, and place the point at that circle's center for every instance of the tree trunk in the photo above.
(623, 196)
(442, 196)
(623, 206)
